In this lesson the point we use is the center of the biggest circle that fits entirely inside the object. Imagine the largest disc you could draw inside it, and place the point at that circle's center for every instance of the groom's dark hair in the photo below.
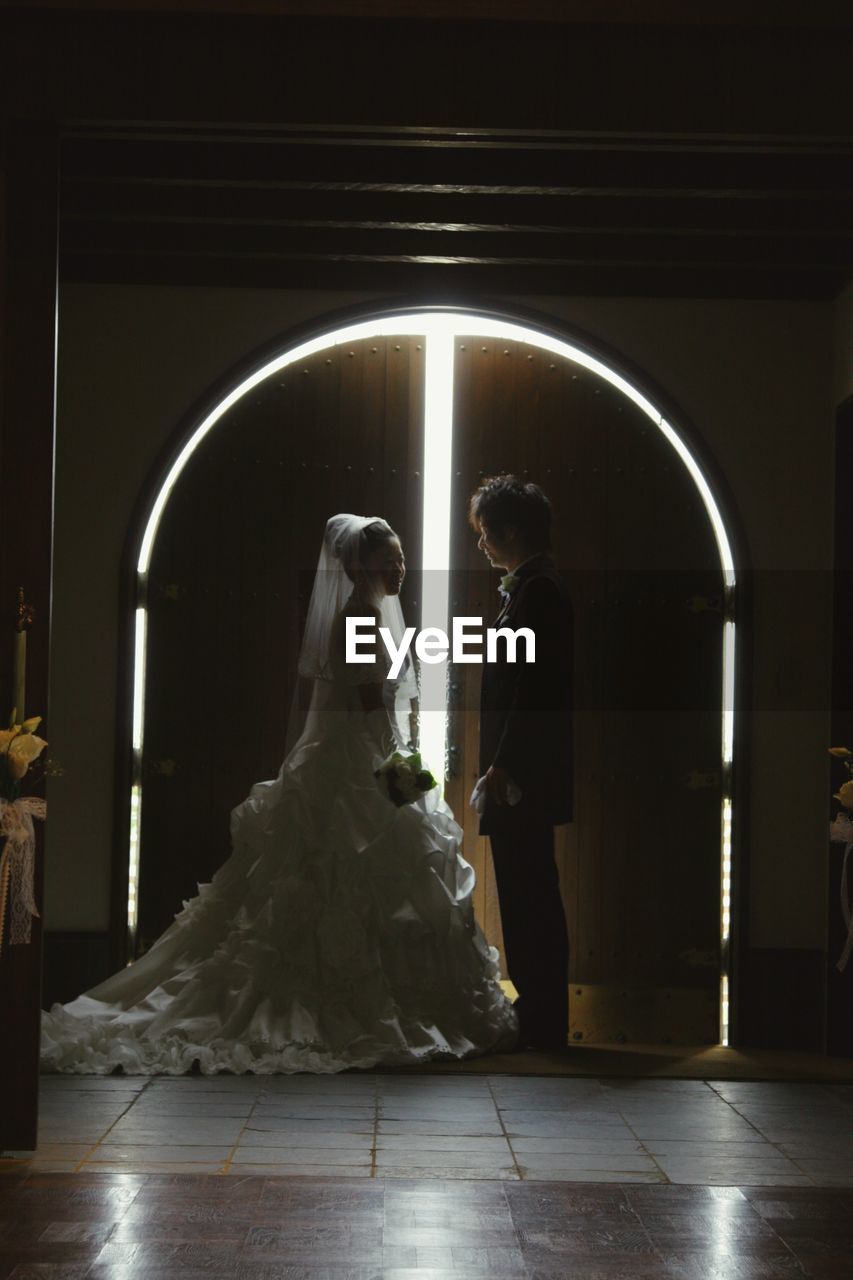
(502, 502)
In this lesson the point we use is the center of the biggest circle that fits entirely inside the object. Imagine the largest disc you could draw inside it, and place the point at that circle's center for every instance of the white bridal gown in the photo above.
(339, 933)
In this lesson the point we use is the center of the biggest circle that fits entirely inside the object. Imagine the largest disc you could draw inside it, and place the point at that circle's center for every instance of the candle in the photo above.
(19, 675)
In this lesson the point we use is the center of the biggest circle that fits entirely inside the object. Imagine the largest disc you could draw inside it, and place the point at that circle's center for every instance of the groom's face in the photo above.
(497, 549)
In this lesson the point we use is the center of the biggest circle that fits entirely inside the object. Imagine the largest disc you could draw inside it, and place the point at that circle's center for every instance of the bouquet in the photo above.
(404, 779)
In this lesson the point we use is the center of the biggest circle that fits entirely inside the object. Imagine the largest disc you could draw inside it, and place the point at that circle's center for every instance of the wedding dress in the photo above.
(340, 932)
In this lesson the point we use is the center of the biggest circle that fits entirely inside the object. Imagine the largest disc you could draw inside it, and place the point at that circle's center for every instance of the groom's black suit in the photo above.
(526, 728)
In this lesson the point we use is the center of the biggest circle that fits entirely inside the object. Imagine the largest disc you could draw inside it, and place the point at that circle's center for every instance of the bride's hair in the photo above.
(352, 552)
(339, 586)
(503, 501)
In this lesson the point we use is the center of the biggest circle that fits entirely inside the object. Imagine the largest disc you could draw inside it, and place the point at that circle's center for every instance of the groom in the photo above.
(526, 745)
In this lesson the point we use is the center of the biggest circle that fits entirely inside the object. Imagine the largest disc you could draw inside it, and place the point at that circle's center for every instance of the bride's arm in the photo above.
(376, 718)
(369, 681)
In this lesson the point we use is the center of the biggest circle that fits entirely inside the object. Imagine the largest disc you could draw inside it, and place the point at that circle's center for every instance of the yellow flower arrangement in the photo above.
(19, 747)
(841, 827)
(845, 794)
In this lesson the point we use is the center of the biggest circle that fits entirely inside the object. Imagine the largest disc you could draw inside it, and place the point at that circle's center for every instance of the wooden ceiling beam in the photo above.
(745, 212)
(461, 166)
(656, 246)
(446, 283)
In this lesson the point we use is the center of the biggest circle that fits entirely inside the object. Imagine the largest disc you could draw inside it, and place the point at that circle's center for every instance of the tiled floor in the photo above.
(151, 1226)
(450, 1128)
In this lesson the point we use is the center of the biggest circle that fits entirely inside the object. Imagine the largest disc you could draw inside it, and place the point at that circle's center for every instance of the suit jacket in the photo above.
(526, 708)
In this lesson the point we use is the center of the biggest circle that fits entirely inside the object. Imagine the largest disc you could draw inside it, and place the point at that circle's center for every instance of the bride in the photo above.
(340, 932)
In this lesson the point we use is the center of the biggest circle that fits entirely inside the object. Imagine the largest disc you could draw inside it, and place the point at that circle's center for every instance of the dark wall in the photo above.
(428, 73)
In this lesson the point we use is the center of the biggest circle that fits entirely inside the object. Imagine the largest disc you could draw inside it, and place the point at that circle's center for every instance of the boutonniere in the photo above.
(508, 584)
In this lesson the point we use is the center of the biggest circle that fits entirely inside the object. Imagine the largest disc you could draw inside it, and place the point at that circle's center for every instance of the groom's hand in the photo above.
(497, 781)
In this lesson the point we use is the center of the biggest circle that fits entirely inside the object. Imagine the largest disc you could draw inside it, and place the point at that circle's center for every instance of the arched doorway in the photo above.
(400, 415)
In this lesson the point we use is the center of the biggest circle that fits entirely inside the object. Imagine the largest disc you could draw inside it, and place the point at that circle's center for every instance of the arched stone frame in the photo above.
(439, 323)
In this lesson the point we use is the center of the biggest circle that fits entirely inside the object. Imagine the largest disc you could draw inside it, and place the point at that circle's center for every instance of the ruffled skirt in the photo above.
(340, 933)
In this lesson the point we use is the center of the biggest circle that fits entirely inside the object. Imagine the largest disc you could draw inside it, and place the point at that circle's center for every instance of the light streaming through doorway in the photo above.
(439, 330)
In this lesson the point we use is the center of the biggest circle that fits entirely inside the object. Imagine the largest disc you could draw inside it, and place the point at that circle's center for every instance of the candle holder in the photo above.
(25, 616)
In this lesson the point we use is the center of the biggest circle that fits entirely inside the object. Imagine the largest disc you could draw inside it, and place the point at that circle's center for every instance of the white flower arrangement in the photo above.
(404, 779)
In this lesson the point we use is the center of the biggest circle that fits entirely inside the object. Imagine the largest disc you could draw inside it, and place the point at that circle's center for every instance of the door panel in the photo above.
(230, 581)
(639, 866)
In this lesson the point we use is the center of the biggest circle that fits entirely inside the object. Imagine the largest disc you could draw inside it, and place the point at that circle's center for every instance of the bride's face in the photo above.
(386, 567)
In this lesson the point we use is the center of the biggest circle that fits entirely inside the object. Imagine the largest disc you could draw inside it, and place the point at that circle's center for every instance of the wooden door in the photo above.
(640, 864)
(230, 581)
